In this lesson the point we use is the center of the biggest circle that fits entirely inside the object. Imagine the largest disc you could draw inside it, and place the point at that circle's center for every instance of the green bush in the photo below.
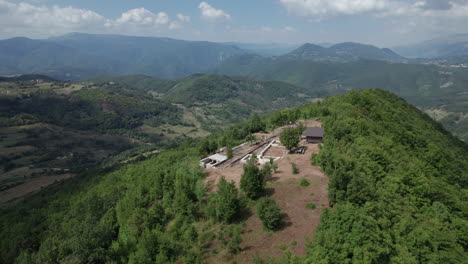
(295, 169)
(311, 206)
(304, 182)
(269, 213)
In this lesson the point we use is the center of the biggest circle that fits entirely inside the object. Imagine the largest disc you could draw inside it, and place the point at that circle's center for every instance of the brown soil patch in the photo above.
(303, 162)
(31, 186)
(300, 223)
(311, 123)
(274, 151)
(230, 174)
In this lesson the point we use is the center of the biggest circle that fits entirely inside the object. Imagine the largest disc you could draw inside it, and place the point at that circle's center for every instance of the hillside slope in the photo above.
(448, 46)
(49, 127)
(432, 88)
(342, 52)
(397, 186)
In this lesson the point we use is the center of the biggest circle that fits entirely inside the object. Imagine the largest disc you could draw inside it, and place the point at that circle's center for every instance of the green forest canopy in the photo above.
(397, 186)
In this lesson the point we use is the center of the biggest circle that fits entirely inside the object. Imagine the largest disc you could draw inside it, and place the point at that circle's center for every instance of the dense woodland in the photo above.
(397, 190)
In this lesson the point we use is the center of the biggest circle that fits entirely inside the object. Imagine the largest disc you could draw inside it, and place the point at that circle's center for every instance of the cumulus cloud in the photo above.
(141, 16)
(211, 13)
(323, 8)
(440, 4)
(319, 9)
(38, 20)
(175, 25)
(183, 17)
(47, 18)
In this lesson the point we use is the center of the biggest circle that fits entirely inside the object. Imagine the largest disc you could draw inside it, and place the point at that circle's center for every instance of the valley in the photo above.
(49, 127)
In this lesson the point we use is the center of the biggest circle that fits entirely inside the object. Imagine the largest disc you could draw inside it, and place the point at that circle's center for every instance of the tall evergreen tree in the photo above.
(253, 180)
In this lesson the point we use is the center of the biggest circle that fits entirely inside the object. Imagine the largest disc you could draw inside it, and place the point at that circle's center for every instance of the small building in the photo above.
(313, 134)
(213, 161)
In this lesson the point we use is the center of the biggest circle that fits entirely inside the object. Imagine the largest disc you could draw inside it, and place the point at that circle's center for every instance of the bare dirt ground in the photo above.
(31, 186)
(274, 151)
(299, 222)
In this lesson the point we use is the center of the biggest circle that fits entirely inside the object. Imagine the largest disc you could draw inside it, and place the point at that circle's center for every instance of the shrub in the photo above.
(234, 243)
(269, 213)
(230, 153)
(273, 165)
(311, 206)
(295, 169)
(304, 182)
(283, 246)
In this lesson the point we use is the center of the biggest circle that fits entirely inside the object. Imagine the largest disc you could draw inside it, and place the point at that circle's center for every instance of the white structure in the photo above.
(261, 158)
(213, 161)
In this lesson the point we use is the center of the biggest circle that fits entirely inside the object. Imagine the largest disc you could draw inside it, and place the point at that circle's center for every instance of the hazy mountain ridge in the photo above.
(77, 56)
(343, 52)
(442, 47)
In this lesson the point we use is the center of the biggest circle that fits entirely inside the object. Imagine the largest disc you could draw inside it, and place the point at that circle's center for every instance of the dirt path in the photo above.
(31, 186)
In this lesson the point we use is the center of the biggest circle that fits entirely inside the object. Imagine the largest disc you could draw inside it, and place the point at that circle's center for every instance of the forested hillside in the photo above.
(441, 91)
(342, 52)
(397, 187)
(49, 128)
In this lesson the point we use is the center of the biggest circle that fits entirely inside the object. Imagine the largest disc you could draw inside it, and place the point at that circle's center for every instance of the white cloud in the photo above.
(175, 25)
(324, 8)
(27, 15)
(183, 17)
(212, 13)
(142, 16)
(320, 9)
(38, 20)
(289, 29)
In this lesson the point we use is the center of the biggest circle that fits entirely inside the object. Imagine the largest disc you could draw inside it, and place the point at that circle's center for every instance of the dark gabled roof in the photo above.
(313, 132)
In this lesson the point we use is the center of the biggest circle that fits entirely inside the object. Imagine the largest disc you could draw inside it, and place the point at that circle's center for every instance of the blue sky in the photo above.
(385, 23)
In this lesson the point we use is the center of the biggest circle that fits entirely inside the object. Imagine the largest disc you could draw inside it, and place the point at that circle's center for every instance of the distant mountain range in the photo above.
(343, 52)
(76, 56)
(79, 56)
(266, 49)
(449, 46)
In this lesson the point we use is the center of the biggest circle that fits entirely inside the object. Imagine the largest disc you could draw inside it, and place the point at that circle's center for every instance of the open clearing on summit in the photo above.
(284, 186)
